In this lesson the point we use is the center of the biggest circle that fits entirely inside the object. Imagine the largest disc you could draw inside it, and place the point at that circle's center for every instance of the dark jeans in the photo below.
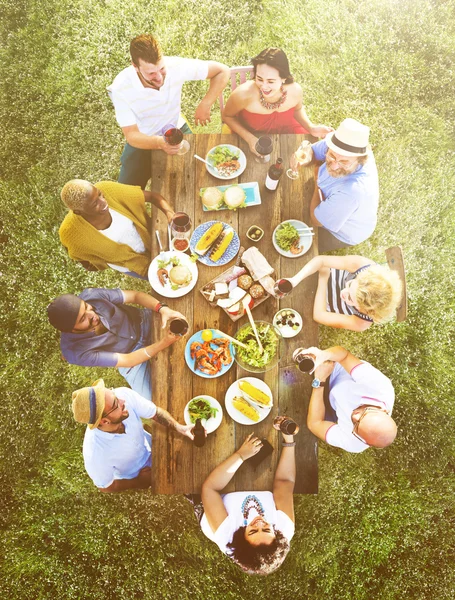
(137, 163)
(330, 414)
(328, 242)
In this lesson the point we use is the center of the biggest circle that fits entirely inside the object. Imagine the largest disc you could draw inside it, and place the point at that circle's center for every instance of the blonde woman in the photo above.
(353, 291)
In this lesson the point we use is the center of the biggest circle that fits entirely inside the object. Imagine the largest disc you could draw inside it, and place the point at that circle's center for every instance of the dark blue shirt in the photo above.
(123, 324)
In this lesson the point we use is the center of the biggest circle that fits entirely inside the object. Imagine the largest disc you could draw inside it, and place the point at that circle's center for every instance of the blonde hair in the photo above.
(378, 293)
(75, 193)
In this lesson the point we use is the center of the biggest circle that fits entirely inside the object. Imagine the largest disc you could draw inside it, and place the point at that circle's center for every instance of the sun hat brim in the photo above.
(344, 149)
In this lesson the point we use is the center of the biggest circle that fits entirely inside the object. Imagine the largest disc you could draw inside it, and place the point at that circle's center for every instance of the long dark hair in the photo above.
(276, 58)
(258, 560)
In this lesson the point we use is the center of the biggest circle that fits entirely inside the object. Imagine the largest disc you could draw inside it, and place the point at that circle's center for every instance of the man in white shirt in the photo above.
(117, 449)
(361, 397)
(147, 97)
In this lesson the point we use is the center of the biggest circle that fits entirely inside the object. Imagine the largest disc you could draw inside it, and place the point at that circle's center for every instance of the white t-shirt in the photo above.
(123, 231)
(363, 385)
(152, 109)
(110, 456)
(233, 505)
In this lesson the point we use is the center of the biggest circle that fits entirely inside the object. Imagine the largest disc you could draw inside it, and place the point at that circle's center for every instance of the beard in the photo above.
(342, 171)
(120, 419)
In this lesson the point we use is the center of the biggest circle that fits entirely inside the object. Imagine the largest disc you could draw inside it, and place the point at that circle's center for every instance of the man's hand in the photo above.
(320, 131)
(250, 447)
(185, 430)
(167, 314)
(324, 370)
(202, 114)
(163, 145)
(170, 338)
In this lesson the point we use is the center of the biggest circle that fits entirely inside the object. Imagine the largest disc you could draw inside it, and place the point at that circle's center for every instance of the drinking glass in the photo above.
(282, 288)
(174, 137)
(181, 225)
(178, 327)
(304, 362)
(264, 147)
(302, 156)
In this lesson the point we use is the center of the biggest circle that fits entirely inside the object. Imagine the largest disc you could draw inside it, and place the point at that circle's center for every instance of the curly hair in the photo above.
(258, 560)
(75, 193)
(147, 48)
(378, 293)
(276, 58)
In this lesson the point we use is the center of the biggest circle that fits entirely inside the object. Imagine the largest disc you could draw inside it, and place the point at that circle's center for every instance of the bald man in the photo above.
(360, 400)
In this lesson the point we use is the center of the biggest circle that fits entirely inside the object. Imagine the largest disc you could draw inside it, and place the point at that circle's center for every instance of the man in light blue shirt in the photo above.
(117, 449)
(345, 201)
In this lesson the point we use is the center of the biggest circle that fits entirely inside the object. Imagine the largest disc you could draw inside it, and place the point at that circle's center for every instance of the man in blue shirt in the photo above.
(117, 449)
(345, 201)
(99, 330)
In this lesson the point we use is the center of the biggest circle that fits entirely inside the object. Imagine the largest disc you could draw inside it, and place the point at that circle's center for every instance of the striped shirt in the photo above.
(337, 282)
(152, 109)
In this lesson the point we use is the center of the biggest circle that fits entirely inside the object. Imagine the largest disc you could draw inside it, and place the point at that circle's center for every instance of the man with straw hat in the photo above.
(117, 449)
(99, 329)
(345, 201)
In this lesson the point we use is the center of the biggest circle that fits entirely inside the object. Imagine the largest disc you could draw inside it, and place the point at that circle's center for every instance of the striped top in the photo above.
(337, 282)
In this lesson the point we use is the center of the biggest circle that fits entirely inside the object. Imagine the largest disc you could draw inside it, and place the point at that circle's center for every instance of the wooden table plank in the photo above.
(178, 465)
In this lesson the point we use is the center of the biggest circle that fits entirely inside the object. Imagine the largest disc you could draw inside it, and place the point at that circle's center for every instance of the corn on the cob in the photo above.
(209, 238)
(222, 244)
(251, 391)
(246, 409)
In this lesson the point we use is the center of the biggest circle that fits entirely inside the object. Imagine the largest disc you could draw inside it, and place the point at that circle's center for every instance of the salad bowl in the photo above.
(272, 341)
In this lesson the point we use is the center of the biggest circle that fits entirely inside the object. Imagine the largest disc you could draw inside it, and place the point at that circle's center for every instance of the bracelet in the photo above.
(145, 350)
(159, 306)
(288, 444)
(243, 460)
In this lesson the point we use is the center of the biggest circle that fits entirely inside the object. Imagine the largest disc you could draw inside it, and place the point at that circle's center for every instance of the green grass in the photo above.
(382, 525)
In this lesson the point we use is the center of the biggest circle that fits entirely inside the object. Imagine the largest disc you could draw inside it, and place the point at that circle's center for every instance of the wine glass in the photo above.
(283, 287)
(264, 147)
(180, 225)
(174, 137)
(302, 156)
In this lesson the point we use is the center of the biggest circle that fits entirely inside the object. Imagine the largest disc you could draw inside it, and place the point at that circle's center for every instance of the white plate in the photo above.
(234, 390)
(208, 424)
(305, 240)
(214, 171)
(230, 252)
(285, 330)
(166, 290)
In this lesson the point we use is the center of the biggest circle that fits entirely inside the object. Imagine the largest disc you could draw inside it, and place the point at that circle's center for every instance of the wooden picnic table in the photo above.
(179, 466)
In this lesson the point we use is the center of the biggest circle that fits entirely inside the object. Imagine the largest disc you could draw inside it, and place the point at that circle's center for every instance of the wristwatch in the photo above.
(159, 306)
(316, 383)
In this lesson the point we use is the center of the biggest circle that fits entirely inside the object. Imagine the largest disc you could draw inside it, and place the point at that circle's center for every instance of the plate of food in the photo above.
(206, 408)
(288, 321)
(251, 358)
(230, 197)
(215, 243)
(292, 238)
(248, 400)
(172, 274)
(209, 355)
(225, 161)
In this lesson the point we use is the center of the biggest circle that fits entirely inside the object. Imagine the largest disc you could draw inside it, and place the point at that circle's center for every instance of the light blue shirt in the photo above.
(350, 204)
(110, 456)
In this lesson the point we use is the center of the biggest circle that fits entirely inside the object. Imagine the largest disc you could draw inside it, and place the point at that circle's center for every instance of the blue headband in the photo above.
(92, 400)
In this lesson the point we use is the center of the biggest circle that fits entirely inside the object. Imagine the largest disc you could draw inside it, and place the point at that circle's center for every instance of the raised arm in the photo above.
(346, 263)
(221, 476)
(218, 74)
(137, 139)
(160, 202)
(284, 482)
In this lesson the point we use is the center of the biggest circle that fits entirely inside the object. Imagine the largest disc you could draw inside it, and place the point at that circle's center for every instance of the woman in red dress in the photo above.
(271, 102)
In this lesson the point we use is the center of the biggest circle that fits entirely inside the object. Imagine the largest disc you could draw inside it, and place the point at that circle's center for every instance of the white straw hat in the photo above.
(350, 139)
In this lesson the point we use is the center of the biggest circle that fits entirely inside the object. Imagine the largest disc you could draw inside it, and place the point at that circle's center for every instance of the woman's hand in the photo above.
(252, 146)
(320, 131)
(250, 447)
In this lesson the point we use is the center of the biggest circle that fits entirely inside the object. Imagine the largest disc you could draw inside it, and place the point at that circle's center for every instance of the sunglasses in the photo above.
(365, 411)
(115, 404)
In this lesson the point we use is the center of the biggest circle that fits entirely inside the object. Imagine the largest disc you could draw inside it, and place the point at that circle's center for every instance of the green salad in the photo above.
(222, 154)
(200, 408)
(286, 235)
(269, 340)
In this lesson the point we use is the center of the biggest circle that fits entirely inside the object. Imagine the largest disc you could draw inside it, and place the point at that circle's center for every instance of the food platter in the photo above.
(253, 197)
(286, 330)
(305, 239)
(208, 424)
(230, 253)
(233, 149)
(234, 391)
(166, 290)
(191, 359)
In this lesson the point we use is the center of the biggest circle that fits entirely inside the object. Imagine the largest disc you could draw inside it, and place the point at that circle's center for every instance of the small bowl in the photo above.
(286, 330)
(180, 242)
(273, 362)
(251, 230)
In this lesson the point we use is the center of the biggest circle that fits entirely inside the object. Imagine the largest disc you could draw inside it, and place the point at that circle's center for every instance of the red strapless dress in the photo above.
(276, 122)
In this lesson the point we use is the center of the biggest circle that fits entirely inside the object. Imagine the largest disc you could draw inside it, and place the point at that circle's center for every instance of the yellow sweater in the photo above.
(85, 243)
